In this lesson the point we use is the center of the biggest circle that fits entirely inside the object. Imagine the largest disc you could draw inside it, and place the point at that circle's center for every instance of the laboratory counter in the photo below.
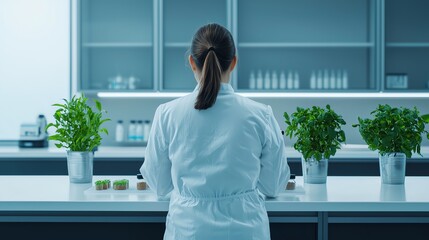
(318, 211)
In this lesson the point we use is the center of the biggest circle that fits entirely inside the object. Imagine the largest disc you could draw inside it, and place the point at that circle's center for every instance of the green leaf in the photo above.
(78, 127)
(59, 105)
(318, 131)
(49, 125)
(104, 130)
(425, 118)
(98, 105)
(56, 137)
(393, 130)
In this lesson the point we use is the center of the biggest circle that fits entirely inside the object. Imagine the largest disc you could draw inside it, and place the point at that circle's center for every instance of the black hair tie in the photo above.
(210, 49)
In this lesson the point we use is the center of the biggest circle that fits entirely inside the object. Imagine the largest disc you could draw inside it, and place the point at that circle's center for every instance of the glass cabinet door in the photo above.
(283, 45)
(407, 45)
(181, 19)
(116, 45)
(306, 45)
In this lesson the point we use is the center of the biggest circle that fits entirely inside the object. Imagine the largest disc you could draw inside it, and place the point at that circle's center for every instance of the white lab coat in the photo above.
(215, 163)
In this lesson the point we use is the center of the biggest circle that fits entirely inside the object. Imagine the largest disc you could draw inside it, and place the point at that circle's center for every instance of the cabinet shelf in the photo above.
(407, 44)
(116, 44)
(177, 44)
(305, 45)
(408, 90)
(254, 94)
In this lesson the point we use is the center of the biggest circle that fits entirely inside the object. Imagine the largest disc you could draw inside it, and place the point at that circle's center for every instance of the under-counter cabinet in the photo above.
(306, 46)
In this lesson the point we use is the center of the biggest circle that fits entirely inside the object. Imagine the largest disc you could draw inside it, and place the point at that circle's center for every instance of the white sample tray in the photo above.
(111, 191)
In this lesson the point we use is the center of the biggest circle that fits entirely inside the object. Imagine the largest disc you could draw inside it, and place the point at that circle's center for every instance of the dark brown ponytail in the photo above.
(212, 50)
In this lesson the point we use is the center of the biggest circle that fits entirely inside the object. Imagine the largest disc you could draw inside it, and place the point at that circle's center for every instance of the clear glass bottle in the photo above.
(146, 130)
(252, 81)
(118, 82)
(339, 80)
(289, 80)
(119, 133)
(41, 123)
(274, 80)
(319, 79)
(282, 82)
(132, 131)
(259, 80)
(139, 131)
(325, 79)
(313, 80)
(267, 80)
(296, 80)
(132, 82)
(333, 83)
(345, 80)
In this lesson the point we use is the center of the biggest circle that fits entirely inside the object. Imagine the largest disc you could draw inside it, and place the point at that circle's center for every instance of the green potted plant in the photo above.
(122, 184)
(396, 133)
(99, 185)
(78, 130)
(319, 135)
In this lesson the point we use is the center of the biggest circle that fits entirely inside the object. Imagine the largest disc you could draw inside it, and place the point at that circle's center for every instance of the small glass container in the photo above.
(119, 136)
(291, 183)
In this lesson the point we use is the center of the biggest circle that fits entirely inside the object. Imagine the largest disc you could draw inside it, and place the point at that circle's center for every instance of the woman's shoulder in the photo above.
(175, 104)
(253, 106)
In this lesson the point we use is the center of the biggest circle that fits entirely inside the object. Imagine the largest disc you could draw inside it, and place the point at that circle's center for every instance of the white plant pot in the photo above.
(314, 171)
(80, 166)
(392, 168)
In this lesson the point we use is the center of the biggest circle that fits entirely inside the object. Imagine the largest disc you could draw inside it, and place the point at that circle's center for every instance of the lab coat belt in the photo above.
(216, 198)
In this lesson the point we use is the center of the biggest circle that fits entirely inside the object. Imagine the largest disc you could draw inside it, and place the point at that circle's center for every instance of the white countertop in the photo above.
(53, 152)
(55, 193)
(348, 151)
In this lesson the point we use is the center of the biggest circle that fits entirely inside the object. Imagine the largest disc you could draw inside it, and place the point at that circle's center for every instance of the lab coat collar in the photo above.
(225, 88)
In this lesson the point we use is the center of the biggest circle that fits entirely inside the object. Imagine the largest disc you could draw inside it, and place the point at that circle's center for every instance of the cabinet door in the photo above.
(116, 45)
(311, 45)
(181, 19)
(407, 45)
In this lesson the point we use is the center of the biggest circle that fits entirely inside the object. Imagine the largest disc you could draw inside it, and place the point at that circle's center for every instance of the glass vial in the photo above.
(333, 82)
(139, 131)
(259, 80)
(119, 133)
(252, 81)
(282, 82)
(289, 80)
(267, 80)
(291, 183)
(146, 130)
(132, 131)
(345, 80)
(325, 79)
(274, 80)
(339, 80)
(319, 80)
(296, 81)
(312, 80)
